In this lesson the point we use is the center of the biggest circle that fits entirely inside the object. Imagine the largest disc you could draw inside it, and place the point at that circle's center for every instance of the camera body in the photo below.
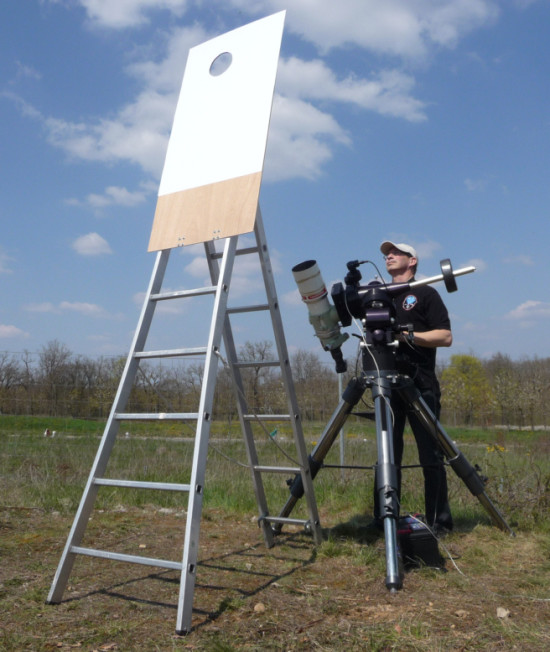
(371, 303)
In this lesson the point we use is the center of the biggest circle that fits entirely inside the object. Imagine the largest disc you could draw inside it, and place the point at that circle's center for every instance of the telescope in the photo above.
(372, 306)
(371, 303)
(322, 315)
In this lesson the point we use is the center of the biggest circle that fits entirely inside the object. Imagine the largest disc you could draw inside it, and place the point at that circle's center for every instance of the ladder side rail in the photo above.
(192, 530)
(245, 418)
(109, 435)
(286, 374)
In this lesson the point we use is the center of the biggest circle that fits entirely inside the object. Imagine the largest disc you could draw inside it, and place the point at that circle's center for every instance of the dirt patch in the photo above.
(492, 594)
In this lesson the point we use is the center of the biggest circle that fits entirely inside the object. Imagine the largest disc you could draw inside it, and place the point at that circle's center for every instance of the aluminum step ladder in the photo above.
(220, 266)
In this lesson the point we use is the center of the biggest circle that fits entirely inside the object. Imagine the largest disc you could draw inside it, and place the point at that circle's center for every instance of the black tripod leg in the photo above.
(351, 396)
(460, 465)
(386, 481)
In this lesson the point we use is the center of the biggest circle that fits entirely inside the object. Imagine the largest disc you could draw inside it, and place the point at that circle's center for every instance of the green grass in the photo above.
(325, 597)
(50, 472)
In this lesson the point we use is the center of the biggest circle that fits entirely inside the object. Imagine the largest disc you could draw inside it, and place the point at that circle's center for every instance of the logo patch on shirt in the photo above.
(409, 302)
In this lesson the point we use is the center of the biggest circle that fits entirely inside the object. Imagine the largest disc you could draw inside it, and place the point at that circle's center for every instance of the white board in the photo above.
(212, 173)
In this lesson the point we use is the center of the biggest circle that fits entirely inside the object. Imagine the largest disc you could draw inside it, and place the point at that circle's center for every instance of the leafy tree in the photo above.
(465, 388)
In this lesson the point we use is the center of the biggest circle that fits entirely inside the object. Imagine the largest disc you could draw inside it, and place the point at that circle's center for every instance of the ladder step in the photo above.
(283, 520)
(256, 364)
(157, 416)
(139, 484)
(181, 294)
(239, 252)
(266, 417)
(254, 308)
(172, 353)
(276, 469)
(133, 559)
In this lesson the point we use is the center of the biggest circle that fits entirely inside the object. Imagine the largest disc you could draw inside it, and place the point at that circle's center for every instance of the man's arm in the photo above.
(429, 339)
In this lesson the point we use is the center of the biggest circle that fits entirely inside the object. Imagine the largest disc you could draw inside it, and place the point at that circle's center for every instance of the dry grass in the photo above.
(492, 595)
(292, 597)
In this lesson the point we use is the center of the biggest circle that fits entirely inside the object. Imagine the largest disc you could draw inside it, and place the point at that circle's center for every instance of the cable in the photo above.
(467, 577)
(258, 420)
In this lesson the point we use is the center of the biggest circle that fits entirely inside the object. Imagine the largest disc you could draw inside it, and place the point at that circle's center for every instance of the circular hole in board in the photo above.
(220, 64)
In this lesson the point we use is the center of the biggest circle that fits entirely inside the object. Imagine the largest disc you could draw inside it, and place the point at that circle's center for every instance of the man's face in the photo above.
(398, 262)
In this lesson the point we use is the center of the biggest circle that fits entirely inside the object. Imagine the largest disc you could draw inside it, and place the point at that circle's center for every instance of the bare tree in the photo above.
(10, 376)
(257, 376)
(53, 363)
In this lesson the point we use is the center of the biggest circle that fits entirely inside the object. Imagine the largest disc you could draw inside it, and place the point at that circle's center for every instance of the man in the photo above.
(424, 309)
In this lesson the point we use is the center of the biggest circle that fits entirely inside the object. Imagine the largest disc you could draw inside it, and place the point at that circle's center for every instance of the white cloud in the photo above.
(132, 137)
(426, 249)
(45, 306)
(168, 307)
(5, 263)
(304, 132)
(387, 92)
(300, 139)
(120, 14)
(246, 278)
(165, 73)
(520, 259)
(86, 309)
(116, 196)
(478, 263)
(9, 331)
(139, 132)
(292, 298)
(475, 185)
(405, 28)
(91, 244)
(26, 71)
(530, 313)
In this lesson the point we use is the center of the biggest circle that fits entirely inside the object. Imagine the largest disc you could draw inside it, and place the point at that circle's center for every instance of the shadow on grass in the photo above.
(360, 528)
(250, 571)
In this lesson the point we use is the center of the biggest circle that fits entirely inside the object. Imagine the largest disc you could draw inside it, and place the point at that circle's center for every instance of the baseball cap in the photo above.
(387, 246)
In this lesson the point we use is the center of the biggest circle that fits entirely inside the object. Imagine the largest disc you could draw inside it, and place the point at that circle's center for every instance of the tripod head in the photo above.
(372, 304)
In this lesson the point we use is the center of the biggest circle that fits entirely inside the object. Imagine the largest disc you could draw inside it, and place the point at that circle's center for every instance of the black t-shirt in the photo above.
(424, 309)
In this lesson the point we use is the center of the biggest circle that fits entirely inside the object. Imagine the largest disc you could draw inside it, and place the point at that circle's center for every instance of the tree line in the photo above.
(56, 382)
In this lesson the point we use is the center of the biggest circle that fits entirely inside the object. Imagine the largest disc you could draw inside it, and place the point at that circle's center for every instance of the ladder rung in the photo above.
(157, 416)
(172, 353)
(266, 417)
(239, 252)
(282, 519)
(139, 484)
(133, 559)
(264, 363)
(181, 294)
(277, 469)
(254, 308)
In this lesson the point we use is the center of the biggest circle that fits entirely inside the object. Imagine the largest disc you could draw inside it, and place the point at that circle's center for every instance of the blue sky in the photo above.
(424, 121)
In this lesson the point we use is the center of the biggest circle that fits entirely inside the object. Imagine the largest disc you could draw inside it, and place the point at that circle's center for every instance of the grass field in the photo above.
(493, 593)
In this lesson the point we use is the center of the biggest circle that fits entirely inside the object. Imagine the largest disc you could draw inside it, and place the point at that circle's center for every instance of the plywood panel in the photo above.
(217, 146)
(195, 215)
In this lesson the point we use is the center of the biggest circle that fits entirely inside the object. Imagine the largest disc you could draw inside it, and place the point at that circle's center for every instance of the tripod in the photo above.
(375, 307)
